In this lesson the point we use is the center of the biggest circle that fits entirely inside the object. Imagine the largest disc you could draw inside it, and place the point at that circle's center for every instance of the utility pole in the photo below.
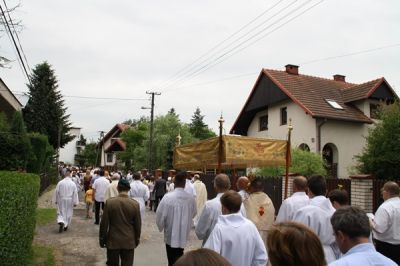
(150, 160)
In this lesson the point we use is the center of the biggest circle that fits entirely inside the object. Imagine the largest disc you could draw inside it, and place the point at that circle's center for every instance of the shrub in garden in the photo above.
(18, 201)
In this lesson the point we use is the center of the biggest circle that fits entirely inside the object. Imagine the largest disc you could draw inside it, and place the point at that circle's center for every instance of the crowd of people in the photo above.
(312, 227)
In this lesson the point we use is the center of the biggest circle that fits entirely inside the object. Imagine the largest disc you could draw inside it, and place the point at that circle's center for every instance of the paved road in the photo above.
(79, 245)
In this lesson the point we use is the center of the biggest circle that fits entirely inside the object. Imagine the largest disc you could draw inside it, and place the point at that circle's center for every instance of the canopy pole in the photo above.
(220, 121)
(290, 128)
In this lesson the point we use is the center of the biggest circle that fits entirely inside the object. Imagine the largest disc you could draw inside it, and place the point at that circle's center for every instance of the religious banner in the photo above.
(237, 151)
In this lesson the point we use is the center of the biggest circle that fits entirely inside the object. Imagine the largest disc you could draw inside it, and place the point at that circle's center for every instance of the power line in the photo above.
(15, 44)
(221, 58)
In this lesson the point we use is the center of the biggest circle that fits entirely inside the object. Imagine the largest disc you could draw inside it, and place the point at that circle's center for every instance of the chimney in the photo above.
(338, 77)
(292, 69)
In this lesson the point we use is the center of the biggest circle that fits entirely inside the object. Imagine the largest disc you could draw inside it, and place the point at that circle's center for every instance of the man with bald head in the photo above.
(298, 200)
(241, 185)
(212, 208)
(386, 224)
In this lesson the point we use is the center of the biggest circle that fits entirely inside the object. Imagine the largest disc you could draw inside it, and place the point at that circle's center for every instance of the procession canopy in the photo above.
(237, 151)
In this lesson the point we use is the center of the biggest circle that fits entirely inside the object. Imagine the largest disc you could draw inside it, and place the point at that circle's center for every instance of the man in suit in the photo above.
(160, 188)
(120, 226)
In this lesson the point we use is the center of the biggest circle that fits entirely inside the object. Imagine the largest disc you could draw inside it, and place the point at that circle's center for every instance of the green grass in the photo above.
(42, 255)
(45, 216)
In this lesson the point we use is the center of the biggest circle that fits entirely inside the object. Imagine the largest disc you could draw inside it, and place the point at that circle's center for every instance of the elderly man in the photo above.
(352, 230)
(139, 192)
(242, 186)
(259, 208)
(386, 224)
(201, 197)
(298, 200)
(120, 227)
(212, 208)
(234, 237)
(99, 189)
(174, 215)
(317, 215)
(66, 197)
(112, 190)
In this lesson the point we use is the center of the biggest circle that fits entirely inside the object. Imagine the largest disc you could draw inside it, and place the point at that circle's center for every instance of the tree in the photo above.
(21, 149)
(303, 162)
(45, 112)
(134, 138)
(381, 155)
(15, 24)
(89, 154)
(198, 128)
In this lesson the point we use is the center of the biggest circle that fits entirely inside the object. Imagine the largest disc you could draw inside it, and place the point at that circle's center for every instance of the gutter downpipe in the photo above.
(319, 123)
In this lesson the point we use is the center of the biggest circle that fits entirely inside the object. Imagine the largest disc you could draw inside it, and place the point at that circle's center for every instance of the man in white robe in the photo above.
(317, 215)
(189, 188)
(139, 192)
(298, 200)
(236, 238)
(66, 198)
(212, 208)
(112, 190)
(201, 196)
(242, 184)
(174, 216)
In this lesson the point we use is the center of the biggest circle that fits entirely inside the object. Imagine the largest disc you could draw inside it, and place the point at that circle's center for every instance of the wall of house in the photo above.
(303, 125)
(67, 154)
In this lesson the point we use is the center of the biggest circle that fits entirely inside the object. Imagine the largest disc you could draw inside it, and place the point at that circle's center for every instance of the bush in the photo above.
(18, 201)
(42, 153)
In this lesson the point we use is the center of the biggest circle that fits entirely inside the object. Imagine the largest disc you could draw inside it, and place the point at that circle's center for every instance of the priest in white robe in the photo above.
(317, 215)
(201, 196)
(292, 204)
(139, 192)
(212, 209)
(66, 197)
(235, 237)
(174, 216)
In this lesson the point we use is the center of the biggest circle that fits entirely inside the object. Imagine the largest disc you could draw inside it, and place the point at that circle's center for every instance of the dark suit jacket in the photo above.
(120, 225)
(160, 187)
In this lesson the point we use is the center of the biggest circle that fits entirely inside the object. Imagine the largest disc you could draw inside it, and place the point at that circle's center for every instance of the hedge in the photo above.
(18, 201)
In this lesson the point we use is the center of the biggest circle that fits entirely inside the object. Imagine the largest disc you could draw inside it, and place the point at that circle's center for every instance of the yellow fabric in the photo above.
(237, 151)
(260, 210)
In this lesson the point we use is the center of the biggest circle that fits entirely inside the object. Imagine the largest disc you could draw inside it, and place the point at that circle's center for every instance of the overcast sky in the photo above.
(121, 49)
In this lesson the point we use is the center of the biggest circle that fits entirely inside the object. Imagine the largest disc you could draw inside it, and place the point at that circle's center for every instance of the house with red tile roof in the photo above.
(329, 116)
(110, 144)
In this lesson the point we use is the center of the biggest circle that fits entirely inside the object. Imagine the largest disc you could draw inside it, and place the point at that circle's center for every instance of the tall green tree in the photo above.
(381, 155)
(45, 111)
(90, 155)
(134, 139)
(198, 128)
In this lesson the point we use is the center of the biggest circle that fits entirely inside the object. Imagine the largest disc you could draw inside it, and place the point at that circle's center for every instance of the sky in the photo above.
(121, 49)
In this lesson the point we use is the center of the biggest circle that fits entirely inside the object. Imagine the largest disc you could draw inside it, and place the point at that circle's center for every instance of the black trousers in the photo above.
(389, 250)
(126, 256)
(158, 199)
(97, 205)
(173, 254)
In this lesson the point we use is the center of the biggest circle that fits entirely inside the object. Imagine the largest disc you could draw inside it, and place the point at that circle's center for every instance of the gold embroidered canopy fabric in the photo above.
(237, 152)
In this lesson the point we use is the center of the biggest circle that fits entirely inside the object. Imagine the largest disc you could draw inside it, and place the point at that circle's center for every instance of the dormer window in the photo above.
(334, 104)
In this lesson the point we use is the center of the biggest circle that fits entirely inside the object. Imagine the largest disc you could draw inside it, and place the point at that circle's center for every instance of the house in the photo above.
(110, 144)
(329, 116)
(8, 102)
(68, 152)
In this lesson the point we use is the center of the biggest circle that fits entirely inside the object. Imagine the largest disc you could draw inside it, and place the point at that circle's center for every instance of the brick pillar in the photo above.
(362, 192)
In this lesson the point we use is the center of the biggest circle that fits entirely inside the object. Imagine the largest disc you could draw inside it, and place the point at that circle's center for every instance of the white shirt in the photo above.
(317, 215)
(174, 216)
(111, 190)
(100, 185)
(243, 193)
(209, 217)
(237, 240)
(291, 205)
(386, 224)
(189, 188)
(140, 192)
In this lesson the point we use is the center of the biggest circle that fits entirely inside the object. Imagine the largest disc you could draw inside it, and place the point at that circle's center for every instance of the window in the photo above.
(109, 158)
(304, 147)
(263, 122)
(284, 116)
(334, 104)
(373, 111)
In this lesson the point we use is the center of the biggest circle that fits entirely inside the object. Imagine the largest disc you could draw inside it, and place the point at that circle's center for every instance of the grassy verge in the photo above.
(42, 255)
(45, 215)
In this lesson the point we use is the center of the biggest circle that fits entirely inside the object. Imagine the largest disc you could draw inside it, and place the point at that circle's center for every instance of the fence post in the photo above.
(362, 192)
